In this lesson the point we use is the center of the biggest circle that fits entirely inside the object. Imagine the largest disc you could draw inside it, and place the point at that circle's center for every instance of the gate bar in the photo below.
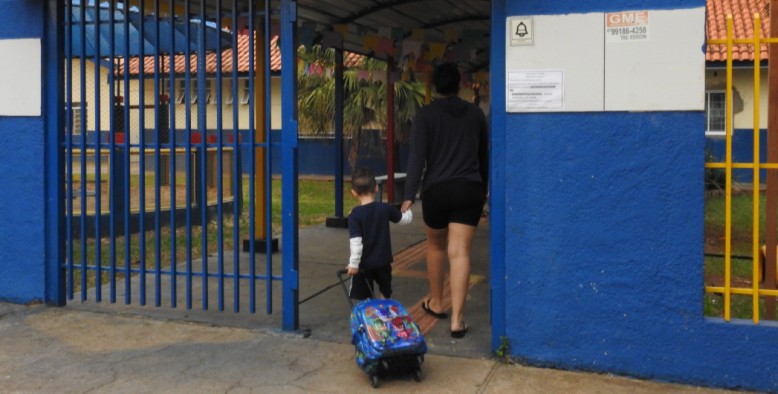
(142, 154)
(756, 172)
(771, 194)
(728, 186)
(82, 144)
(252, 161)
(202, 204)
(171, 145)
(112, 189)
(289, 191)
(98, 169)
(157, 166)
(270, 244)
(69, 149)
(236, 189)
(56, 289)
(219, 161)
(126, 207)
(188, 161)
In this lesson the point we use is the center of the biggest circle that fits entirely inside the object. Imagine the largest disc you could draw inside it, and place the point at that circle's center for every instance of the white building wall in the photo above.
(742, 95)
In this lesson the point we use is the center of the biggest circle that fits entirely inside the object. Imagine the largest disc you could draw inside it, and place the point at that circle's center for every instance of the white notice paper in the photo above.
(535, 90)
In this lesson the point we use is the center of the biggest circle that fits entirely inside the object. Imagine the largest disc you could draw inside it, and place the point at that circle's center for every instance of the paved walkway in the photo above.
(116, 348)
(66, 350)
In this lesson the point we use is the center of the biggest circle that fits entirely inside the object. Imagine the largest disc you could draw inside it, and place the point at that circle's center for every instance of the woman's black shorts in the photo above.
(452, 202)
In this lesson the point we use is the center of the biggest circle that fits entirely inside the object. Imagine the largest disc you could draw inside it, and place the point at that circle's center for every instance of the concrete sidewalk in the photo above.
(105, 347)
(66, 350)
(323, 309)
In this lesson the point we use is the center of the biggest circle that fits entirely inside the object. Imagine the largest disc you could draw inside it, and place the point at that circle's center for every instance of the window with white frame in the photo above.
(77, 119)
(193, 92)
(229, 98)
(181, 92)
(715, 112)
(246, 92)
(210, 98)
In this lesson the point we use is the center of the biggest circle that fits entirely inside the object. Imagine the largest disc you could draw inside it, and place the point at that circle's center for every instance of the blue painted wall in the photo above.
(22, 195)
(599, 255)
(596, 228)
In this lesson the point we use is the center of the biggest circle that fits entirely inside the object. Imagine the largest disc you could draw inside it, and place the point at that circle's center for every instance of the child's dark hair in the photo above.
(363, 181)
(446, 79)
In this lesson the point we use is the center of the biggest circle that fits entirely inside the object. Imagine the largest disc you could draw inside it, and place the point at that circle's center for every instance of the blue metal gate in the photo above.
(167, 178)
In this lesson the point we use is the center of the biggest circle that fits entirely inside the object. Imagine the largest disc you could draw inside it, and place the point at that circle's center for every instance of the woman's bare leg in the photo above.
(437, 241)
(460, 241)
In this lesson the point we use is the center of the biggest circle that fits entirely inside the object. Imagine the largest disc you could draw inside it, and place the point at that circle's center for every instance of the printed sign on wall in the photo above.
(626, 26)
(541, 89)
(521, 30)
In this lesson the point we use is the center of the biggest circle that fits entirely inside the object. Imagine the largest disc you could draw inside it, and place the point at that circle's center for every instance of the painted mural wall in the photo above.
(597, 262)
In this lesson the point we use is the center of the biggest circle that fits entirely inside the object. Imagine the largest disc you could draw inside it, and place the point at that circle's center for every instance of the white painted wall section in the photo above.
(646, 60)
(665, 71)
(571, 44)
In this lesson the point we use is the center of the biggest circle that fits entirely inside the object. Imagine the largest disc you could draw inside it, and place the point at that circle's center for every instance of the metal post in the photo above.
(289, 191)
(54, 115)
(262, 240)
(389, 132)
(771, 209)
(338, 220)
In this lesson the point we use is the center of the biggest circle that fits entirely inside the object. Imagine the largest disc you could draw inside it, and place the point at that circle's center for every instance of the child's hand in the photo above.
(352, 271)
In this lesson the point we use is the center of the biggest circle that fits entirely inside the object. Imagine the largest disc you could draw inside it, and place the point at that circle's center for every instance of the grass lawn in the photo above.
(315, 204)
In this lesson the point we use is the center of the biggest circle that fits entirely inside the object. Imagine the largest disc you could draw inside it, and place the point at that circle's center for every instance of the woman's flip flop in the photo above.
(460, 333)
(426, 307)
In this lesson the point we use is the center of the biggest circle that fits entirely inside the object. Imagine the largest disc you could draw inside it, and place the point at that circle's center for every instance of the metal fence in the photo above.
(162, 101)
(737, 273)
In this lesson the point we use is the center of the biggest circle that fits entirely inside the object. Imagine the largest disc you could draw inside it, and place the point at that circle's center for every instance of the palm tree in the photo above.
(365, 98)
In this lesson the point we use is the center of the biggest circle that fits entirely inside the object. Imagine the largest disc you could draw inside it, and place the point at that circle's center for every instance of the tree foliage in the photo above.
(364, 96)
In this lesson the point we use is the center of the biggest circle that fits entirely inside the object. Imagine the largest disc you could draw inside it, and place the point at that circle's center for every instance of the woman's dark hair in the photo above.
(363, 181)
(446, 79)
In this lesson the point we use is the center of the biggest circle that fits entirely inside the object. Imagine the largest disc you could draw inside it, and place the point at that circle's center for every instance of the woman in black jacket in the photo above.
(449, 163)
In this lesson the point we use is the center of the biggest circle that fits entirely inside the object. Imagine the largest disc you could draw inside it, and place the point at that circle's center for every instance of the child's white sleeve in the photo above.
(407, 217)
(356, 252)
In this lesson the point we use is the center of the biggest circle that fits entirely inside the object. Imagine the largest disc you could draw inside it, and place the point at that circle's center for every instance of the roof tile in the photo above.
(742, 12)
(211, 60)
